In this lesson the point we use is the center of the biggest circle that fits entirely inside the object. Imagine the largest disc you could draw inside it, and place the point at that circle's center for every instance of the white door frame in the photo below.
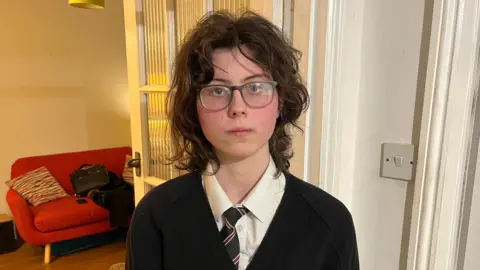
(340, 97)
(447, 127)
(447, 122)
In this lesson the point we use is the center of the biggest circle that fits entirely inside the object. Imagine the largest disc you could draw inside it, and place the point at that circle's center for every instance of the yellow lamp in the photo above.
(88, 4)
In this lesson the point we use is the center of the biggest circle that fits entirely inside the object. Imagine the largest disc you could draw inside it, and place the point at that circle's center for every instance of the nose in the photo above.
(237, 106)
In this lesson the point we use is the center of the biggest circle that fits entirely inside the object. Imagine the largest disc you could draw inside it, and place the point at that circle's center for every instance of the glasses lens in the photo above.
(258, 94)
(215, 97)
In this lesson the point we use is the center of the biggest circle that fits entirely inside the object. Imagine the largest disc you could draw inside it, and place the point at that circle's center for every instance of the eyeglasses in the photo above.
(255, 94)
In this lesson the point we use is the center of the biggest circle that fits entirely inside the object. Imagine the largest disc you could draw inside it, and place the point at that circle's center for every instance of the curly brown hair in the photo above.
(267, 47)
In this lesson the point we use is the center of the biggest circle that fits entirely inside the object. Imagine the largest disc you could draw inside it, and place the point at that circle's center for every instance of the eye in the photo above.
(217, 91)
(257, 88)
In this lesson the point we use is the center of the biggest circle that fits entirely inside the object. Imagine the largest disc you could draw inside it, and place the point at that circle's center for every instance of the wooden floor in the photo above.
(31, 258)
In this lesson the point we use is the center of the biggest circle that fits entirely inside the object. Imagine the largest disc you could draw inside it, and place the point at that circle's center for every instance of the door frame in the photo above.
(446, 135)
(446, 127)
(136, 71)
(339, 98)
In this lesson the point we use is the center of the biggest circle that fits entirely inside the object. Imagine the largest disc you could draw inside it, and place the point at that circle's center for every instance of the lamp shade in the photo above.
(89, 4)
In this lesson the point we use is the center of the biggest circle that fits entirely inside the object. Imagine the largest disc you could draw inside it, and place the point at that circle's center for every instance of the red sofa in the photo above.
(62, 219)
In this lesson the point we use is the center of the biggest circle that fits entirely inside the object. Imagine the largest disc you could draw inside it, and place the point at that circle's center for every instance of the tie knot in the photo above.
(233, 214)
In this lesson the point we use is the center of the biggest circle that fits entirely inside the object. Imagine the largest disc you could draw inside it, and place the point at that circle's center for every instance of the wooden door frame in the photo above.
(136, 78)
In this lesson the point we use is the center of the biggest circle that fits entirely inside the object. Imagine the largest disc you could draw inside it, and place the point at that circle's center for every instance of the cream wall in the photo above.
(63, 81)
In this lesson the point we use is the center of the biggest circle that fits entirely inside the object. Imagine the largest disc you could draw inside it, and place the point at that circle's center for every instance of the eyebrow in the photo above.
(254, 76)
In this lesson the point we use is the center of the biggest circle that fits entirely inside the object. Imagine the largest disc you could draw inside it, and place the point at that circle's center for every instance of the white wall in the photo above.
(390, 46)
(63, 81)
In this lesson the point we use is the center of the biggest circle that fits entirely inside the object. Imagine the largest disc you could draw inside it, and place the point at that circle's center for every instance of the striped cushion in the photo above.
(128, 172)
(37, 186)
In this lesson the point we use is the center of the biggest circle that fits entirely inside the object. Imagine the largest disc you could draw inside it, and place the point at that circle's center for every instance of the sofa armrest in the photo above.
(22, 216)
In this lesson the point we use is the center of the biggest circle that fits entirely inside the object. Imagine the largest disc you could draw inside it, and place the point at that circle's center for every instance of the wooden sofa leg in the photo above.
(47, 253)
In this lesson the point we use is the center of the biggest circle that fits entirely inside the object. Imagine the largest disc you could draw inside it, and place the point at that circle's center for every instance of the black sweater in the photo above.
(173, 228)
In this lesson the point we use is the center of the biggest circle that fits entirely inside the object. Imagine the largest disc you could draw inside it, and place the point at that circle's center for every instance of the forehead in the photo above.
(231, 63)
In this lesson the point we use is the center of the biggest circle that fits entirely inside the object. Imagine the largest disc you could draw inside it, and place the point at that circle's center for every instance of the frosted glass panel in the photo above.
(156, 41)
(231, 5)
(165, 24)
(158, 136)
(187, 13)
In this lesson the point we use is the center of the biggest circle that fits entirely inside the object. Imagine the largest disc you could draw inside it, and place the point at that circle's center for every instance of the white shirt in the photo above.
(262, 203)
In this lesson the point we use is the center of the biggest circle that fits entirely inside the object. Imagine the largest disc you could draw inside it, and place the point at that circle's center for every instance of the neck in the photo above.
(238, 176)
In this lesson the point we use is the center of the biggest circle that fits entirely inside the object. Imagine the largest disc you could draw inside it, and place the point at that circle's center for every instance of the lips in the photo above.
(240, 131)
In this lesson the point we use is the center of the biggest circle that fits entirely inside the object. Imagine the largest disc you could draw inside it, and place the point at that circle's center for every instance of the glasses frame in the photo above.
(232, 88)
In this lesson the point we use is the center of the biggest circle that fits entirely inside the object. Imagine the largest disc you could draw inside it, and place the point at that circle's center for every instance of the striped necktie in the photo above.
(229, 233)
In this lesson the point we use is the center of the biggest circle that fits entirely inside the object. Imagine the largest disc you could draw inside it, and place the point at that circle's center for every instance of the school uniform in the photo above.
(261, 203)
(283, 223)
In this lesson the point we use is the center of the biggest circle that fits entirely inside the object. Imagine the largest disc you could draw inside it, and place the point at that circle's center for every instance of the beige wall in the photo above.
(63, 80)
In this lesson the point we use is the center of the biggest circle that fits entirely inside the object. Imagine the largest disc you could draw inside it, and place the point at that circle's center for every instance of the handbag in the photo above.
(89, 177)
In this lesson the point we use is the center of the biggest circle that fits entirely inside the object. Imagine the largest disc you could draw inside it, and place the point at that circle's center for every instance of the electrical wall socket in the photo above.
(397, 161)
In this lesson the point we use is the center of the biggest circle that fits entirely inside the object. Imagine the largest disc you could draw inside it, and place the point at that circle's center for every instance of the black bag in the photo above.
(119, 201)
(89, 177)
(10, 240)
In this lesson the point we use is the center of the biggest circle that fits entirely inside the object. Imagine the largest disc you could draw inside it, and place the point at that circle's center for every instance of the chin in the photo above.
(240, 151)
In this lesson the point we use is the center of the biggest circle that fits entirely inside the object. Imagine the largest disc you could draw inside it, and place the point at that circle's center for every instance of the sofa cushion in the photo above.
(66, 213)
(37, 186)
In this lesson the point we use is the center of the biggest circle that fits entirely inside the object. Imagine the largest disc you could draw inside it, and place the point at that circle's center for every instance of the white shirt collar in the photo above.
(261, 201)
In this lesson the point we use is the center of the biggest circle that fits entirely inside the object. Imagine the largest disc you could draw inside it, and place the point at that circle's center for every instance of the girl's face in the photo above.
(237, 131)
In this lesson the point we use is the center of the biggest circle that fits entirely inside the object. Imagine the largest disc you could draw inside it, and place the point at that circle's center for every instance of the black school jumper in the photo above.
(173, 228)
